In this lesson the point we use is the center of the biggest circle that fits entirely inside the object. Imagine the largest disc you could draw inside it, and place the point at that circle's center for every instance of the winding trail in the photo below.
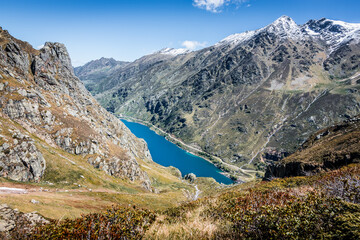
(9, 190)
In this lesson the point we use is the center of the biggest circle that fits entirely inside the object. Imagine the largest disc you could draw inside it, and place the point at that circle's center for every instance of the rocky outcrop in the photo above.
(21, 160)
(40, 92)
(12, 218)
(274, 154)
(190, 177)
(293, 169)
(123, 168)
(23, 109)
(328, 149)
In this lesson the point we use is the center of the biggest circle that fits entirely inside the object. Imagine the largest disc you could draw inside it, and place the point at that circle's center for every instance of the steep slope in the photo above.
(328, 149)
(41, 93)
(248, 96)
(61, 150)
(54, 132)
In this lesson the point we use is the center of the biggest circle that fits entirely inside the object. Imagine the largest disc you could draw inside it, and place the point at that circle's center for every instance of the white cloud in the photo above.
(192, 45)
(40, 47)
(210, 5)
(215, 5)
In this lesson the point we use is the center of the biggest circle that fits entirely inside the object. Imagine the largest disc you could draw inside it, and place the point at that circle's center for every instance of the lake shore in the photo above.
(235, 173)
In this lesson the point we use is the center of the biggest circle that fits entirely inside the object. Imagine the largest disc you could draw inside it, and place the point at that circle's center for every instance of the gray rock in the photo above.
(126, 168)
(147, 185)
(23, 162)
(47, 117)
(15, 57)
(9, 218)
(190, 177)
(5, 146)
(23, 109)
(33, 201)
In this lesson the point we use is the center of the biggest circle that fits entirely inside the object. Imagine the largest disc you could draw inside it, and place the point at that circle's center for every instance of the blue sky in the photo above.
(129, 29)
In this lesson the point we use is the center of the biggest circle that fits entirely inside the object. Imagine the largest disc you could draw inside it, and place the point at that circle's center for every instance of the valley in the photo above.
(252, 97)
(254, 137)
(167, 154)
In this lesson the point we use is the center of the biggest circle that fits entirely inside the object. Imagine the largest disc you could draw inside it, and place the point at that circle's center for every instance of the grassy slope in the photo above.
(284, 208)
(266, 210)
(71, 186)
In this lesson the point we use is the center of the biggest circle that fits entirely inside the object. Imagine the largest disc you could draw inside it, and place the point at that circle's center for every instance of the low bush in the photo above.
(282, 215)
(115, 223)
(342, 184)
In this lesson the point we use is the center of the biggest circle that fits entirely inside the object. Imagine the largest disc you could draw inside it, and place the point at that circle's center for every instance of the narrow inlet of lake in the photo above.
(168, 154)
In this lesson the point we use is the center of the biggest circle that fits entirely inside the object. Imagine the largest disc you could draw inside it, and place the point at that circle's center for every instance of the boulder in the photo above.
(190, 177)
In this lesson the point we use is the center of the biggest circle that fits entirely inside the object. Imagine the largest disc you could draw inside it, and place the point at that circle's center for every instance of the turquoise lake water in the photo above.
(168, 154)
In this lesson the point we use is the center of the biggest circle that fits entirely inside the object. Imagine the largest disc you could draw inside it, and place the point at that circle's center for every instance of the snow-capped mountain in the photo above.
(334, 33)
(285, 27)
(248, 92)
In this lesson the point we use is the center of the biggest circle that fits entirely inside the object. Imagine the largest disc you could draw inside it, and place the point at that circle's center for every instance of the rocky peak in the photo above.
(39, 91)
(52, 69)
(58, 50)
(284, 27)
(237, 38)
(103, 62)
(331, 26)
(96, 68)
(334, 33)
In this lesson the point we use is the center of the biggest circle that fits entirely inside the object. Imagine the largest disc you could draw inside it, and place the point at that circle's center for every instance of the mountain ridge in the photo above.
(243, 98)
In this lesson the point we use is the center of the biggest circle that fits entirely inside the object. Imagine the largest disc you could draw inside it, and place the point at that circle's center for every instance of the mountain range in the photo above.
(251, 97)
(69, 169)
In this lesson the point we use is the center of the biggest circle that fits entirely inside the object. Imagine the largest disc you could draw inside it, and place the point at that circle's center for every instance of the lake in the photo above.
(168, 154)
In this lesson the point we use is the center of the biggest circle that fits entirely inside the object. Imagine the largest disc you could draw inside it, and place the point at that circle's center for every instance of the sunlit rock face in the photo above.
(40, 93)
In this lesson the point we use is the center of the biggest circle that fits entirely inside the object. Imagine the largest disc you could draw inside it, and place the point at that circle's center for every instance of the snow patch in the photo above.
(173, 51)
(237, 38)
(334, 33)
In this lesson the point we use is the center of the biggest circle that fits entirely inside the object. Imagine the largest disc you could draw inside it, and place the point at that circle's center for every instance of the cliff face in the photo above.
(328, 149)
(41, 100)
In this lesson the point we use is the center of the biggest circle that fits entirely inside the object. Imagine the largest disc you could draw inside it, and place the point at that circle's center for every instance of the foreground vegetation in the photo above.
(324, 206)
(319, 207)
